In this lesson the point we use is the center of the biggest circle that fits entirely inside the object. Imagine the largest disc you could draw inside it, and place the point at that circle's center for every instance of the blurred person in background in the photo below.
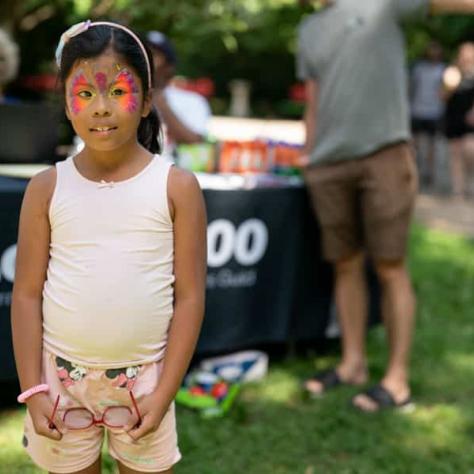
(427, 107)
(185, 113)
(9, 63)
(459, 128)
(360, 171)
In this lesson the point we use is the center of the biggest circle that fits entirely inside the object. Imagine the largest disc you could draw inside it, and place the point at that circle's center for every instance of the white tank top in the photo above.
(108, 296)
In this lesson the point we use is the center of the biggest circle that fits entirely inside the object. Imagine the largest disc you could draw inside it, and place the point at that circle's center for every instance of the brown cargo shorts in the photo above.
(365, 203)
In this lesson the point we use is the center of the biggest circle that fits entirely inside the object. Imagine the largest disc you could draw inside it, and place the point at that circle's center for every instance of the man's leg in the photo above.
(468, 155)
(457, 168)
(389, 194)
(424, 142)
(398, 310)
(420, 142)
(430, 160)
(335, 197)
(351, 303)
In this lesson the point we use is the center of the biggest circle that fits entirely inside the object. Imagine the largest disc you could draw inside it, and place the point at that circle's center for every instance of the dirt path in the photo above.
(446, 213)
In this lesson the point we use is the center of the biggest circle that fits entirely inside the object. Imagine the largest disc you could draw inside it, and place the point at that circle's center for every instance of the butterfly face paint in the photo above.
(126, 90)
(79, 92)
(104, 101)
(113, 82)
(101, 80)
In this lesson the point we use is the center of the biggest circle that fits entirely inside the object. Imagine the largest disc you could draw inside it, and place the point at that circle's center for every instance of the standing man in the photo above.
(361, 174)
(185, 114)
(427, 108)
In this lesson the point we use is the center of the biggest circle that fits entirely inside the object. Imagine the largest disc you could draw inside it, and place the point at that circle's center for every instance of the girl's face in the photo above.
(466, 58)
(104, 101)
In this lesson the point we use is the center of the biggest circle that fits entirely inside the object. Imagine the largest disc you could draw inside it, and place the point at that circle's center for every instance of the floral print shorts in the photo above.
(96, 390)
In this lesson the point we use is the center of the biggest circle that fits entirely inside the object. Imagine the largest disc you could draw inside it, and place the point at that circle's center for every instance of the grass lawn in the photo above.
(274, 430)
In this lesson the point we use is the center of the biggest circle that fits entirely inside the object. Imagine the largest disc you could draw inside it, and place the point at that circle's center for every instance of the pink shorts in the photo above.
(96, 390)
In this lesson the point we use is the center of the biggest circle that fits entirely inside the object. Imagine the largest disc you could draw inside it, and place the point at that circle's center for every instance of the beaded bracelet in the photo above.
(32, 391)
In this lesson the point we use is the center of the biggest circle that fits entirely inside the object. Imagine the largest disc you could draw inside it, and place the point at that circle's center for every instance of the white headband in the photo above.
(79, 28)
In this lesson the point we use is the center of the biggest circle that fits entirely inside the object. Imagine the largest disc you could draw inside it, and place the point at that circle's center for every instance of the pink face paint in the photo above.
(79, 83)
(126, 82)
(101, 80)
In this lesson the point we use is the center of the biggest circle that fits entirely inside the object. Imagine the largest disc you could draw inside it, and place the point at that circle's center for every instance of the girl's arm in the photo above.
(188, 209)
(30, 274)
(190, 265)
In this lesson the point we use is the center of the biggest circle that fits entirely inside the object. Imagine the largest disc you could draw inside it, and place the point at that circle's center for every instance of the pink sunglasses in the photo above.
(82, 419)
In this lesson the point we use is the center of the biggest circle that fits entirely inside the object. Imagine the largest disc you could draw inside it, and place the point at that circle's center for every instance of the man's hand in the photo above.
(41, 408)
(452, 6)
(152, 414)
(303, 160)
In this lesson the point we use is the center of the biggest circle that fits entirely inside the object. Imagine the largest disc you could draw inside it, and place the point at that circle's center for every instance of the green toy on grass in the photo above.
(212, 400)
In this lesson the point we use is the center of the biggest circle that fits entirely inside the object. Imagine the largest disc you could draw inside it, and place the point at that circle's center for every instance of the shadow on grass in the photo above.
(274, 430)
(279, 432)
(325, 435)
(443, 273)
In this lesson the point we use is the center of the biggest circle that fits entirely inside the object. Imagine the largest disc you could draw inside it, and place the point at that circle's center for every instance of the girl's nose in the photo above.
(102, 107)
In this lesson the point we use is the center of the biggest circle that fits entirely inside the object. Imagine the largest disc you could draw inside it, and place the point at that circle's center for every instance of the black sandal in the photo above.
(328, 379)
(383, 398)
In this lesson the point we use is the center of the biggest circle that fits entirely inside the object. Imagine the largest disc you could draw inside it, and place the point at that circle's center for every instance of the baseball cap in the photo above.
(158, 40)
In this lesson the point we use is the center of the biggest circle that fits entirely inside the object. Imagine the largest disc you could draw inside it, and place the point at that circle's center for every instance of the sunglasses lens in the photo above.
(78, 419)
(117, 417)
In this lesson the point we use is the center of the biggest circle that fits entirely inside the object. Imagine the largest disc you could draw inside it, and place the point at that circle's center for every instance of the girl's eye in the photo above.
(118, 92)
(85, 94)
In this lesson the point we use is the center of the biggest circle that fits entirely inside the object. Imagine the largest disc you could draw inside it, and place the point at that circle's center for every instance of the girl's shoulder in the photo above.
(183, 188)
(41, 187)
(180, 180)
(44, 182)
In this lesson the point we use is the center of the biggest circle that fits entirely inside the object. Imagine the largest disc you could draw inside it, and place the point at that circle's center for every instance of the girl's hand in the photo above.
(41, 408)
(151, 413)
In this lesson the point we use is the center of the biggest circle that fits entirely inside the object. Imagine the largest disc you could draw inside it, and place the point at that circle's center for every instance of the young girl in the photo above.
(110, 278)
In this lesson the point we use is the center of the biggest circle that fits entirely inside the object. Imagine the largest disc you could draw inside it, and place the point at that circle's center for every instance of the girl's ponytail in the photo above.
(149, 132)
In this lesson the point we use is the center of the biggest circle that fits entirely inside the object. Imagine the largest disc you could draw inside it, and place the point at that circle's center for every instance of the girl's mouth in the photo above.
(102, 129)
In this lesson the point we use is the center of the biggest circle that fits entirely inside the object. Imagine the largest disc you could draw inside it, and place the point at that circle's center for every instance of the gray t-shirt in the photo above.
(426, 82)
(355, 51)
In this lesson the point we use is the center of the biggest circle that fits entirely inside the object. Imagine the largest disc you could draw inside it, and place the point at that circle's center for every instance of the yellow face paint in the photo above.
(126, 90)
(88, 82)
(80, 92)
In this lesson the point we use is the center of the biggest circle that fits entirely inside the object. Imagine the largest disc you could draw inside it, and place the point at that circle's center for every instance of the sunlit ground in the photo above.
(273, 429)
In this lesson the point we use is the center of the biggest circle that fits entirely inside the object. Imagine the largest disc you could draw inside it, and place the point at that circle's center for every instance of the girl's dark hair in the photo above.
(94, 42)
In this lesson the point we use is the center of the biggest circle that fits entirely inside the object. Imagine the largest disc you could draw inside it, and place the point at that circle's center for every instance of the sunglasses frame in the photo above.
(94, 422)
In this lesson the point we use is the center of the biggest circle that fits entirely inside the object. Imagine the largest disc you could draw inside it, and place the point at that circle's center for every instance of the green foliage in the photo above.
(221, 39)
(449, 30)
